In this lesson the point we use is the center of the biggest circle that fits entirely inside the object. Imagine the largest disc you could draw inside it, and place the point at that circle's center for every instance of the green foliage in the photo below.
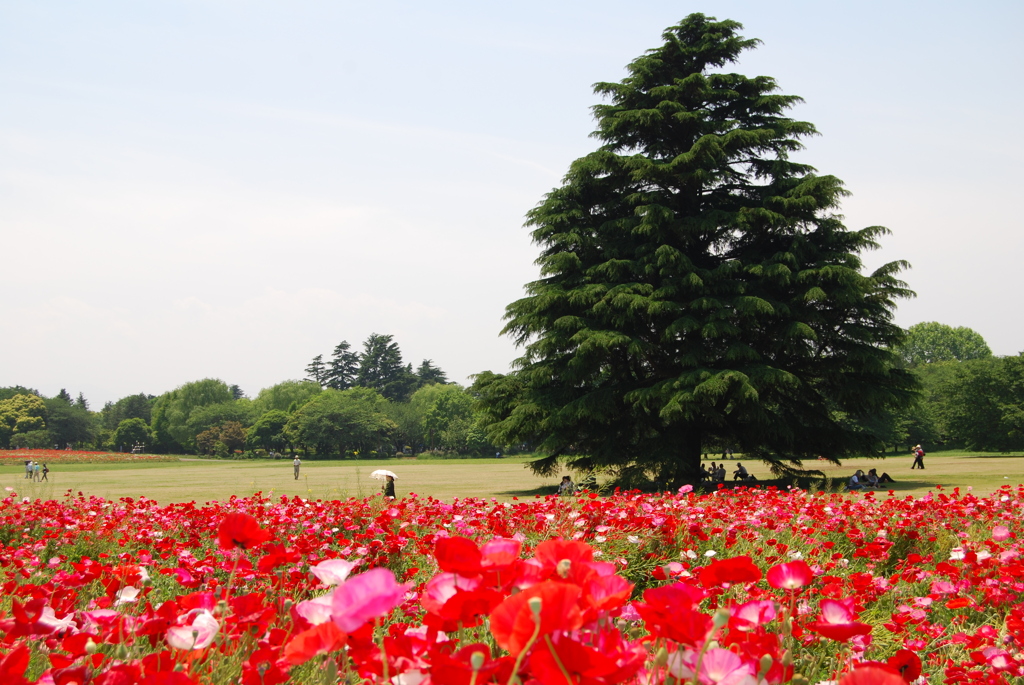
(343, 368)
(131, 407)
(68, 423)
(381, 368)
(269, 431)
(36, 440)
(697, 285)
(317, 371)
(172, 411)
(342, 420)
(984, 403)
(10, 391)
(285, 396)
(129, 433)
(931, 341)
(428, 373)
(202, 418)
(22, 413)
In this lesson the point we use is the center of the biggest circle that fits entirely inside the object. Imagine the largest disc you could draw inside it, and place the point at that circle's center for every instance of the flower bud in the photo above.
(535, 605)
(661, 658)
(721, 618)
(787, 658)
(476, 660)
(765, 666)
(90, 646)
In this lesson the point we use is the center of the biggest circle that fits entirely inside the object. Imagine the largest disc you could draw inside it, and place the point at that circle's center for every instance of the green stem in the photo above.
(526, 648)
(558, 661)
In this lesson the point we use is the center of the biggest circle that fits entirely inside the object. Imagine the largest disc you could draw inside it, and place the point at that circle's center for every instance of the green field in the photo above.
(208, 480)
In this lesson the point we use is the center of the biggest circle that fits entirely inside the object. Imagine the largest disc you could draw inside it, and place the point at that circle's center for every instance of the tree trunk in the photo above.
(685, 469)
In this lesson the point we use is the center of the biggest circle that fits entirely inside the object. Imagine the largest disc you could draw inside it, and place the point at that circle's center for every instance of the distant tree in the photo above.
(316, 371)
(931, 341)
(64, 396)
(380, 363)
(10, 391)
(428, 373)
(697, 284)
(984, 404)
(37, 439)
(381, 368)
(213, 415)
(342, 420)
(232, 434)
(173, 409)
(269, 431)
(67, 423)
(236, 392)
(138, 406)
(285, 395)
(343, 368)
(80, 401)
(450, 405)
(22, 413)
(129, 433)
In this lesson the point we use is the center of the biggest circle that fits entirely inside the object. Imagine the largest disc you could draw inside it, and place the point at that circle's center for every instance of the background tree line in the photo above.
(371, 403)
(353, 404)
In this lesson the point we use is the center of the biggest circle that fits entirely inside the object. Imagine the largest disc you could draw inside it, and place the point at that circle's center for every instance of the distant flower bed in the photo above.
(78, 457)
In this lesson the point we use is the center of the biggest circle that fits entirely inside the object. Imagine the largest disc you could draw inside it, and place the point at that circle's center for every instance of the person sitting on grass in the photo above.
(740, 473)
(566, 488)
(875, 479)
(856, 481)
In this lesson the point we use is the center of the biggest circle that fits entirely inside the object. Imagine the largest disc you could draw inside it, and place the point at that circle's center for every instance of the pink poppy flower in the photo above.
(365, 597)
(332, 571)
(1000, 533)
(839, 621)
(790, 576)
(198, 635)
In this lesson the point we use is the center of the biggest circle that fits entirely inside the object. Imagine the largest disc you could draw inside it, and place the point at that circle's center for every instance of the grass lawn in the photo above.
(206, 480)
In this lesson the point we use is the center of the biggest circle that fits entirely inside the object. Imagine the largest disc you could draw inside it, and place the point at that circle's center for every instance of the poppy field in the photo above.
(738, 587)
(79, 457)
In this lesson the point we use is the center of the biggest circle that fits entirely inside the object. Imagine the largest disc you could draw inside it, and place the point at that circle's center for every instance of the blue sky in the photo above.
(226, 188)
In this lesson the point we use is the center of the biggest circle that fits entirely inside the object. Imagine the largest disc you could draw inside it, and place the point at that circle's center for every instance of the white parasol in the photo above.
(381, 474)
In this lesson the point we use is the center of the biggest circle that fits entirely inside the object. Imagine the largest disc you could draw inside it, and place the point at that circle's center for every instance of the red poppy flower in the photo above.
(457, 669)
(512, 621)
(320, 639)
(457, 555)
(790, 576)
(584, 665)
(120, 674)
(872, 673)
(13, 665)
(735, 570)
(240, 530)
(907, 664)
(838, 621)
(671, 611)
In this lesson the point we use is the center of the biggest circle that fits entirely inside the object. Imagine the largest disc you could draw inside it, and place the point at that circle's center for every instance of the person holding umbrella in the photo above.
(388, 488)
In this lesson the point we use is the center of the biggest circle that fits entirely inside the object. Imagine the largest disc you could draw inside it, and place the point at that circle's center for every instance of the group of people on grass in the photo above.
(35, 471)
(868, 481)
(716, 473)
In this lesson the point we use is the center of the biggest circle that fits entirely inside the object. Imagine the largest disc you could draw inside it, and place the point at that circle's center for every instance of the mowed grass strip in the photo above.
(211, 480)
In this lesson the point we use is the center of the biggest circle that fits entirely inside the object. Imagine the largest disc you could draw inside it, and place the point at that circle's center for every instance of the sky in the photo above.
(225, 189)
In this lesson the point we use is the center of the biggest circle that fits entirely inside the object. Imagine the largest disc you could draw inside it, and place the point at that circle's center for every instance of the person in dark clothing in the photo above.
(875, 479)
(918, 458)
(46, 470)
(389, 487)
